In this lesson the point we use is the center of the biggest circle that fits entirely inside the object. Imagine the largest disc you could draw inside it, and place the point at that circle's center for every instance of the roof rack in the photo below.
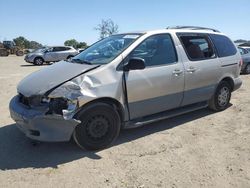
(193, 28)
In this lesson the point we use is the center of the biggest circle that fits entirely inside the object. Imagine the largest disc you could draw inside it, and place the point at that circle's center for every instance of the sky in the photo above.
(51, 22)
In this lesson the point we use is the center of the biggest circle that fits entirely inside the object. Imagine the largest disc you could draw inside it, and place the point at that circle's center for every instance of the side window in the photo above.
(67, 48)
(62, 48)
(56, 49)
(241, 51)
(156, 50)
(59, 49)
(223, 45)
(245, 51)
(197, 47)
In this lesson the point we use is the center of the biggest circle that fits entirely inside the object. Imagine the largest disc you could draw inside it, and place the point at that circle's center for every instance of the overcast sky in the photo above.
(52, 22)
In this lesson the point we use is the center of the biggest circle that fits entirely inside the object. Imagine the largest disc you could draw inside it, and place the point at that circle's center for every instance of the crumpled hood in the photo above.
(39, 82)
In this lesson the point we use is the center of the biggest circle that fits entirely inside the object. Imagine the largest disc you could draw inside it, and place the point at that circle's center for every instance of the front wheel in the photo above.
(221, 98)
(38, 61)
(100, 126)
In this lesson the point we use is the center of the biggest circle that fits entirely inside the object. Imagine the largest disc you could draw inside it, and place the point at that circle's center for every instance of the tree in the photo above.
(21, 42)
(82, 45)
(71, 42)
(34, 45)
(75, 43)
(107, 28)
(24, 43)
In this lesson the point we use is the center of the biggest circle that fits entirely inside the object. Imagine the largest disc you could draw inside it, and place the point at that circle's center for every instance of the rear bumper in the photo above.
(36, 125)
(237, 83)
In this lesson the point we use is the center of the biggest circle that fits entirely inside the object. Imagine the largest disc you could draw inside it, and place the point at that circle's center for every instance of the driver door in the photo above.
(158, 87)
(51, 54)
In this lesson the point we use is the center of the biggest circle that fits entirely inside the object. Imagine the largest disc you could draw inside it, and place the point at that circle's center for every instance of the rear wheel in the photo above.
(247, 69)
(38, 61)
(19, 53)
(221, 98)
(70, 57)
(99, 127)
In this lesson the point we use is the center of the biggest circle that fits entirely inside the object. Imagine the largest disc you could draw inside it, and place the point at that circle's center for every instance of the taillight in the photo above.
(241, 63)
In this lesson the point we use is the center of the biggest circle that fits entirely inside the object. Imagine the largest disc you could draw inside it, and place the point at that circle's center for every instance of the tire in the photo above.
(4, 53)
(69, 57)
(100, 126)
(19, 53)
(247, 69)
(221, 97)
(38, 61)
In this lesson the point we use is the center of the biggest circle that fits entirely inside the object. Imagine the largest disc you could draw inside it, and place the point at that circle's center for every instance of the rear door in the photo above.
(160, 85)
(202, 67)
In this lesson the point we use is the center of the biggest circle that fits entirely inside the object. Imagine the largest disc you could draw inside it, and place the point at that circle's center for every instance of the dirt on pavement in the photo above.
(198, 149)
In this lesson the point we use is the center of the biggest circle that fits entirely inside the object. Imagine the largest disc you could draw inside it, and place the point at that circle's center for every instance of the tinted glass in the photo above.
(242, 51)
(156, 50)
(223, 45)
(197, 47)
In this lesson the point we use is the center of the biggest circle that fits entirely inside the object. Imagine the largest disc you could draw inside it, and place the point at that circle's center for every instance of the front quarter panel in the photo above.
(103, 82)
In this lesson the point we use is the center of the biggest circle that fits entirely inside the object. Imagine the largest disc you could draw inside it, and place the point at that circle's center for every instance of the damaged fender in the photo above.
(96, 84)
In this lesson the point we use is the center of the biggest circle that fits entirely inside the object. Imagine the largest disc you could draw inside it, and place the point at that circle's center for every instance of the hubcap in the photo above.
(39, 61)
(223, 96)
(97, 127)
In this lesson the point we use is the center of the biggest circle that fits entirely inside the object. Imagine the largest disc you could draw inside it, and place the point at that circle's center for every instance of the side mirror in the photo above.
(135, 63)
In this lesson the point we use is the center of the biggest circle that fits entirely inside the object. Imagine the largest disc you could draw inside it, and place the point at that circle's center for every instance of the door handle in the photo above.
(177, 72)
(191, 69)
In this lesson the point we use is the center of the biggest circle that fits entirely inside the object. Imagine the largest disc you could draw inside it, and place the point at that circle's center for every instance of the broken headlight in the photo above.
(62, 106)
(57, 105)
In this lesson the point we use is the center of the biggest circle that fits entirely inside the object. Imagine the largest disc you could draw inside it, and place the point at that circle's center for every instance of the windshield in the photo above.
(106, 50)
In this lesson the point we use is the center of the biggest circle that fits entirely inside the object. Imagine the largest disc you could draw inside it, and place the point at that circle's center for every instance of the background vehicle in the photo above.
(50, 54)
(245, 54)
(246, 47)
(9, 47)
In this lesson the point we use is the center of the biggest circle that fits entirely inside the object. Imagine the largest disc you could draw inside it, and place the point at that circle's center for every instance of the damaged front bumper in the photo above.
(38, 125)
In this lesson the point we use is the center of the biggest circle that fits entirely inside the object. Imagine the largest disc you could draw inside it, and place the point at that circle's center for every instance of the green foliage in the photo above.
(71, 42)
(107, 28)
(82, 45)
(24, 43)
(75, 43)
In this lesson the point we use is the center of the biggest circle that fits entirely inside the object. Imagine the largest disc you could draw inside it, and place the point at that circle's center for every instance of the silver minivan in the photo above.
(50, 54)
(125, 81)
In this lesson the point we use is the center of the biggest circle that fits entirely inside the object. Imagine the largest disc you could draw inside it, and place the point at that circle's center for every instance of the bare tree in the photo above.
(107, 28)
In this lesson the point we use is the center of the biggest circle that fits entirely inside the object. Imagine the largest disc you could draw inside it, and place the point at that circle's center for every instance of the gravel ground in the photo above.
(199, 149)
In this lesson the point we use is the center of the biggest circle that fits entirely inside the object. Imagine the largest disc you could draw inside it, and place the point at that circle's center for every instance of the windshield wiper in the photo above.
(81, 61)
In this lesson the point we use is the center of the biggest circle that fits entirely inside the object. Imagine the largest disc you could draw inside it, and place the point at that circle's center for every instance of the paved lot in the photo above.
(199, 149)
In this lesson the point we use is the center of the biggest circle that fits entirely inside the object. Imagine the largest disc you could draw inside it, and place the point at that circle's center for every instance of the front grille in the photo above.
(30, 101)
(24, 100)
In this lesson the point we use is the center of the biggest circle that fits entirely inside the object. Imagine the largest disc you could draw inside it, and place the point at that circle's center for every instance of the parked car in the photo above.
(81, 50)
(51, 54)
(125, 81)
(246, 47)
(245, 54)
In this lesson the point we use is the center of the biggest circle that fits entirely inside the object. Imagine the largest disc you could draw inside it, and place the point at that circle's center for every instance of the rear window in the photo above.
(223, 45)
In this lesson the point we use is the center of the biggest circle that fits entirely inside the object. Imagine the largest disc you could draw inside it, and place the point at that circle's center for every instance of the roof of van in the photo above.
(176, 30)
(186, 29)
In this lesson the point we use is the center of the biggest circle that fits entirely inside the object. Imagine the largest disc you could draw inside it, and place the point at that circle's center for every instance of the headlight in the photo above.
(62, 106)
(56, 106)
